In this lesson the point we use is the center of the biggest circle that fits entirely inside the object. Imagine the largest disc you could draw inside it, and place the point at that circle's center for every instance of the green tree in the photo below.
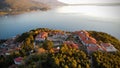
(27, 45)
(47, 44)
(22, 52)
(66, 66)
(57, 61)
(79, 66)
(74, 64)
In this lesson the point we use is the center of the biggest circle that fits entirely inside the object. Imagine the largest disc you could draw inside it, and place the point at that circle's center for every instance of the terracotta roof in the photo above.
(19, 59)
(56, 50)
(103, 48)
(105, 44)
(108, 47)
(92, 48)
(84, 35)
(42, 35)
(71, 44)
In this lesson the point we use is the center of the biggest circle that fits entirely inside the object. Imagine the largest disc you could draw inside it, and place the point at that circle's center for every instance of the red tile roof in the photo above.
(19, 59)
(92, 48)
(56, 50)
(71, 44)
(84, 35)
(42, 35)
(106, 44)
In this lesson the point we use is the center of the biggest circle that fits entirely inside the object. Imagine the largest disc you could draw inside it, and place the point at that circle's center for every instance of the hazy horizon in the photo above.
(88, 1)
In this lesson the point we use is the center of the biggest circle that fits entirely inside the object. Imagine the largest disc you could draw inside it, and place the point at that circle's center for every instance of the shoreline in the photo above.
(4, 13)
(57, 29)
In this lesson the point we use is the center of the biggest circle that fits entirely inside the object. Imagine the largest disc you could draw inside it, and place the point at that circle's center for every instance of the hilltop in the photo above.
(43, 47)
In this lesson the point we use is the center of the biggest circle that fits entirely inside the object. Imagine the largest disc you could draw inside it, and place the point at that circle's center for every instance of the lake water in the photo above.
(71, 18)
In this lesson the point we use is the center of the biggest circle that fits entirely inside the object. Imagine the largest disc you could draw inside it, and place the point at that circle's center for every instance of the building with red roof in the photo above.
(18, 60)
(85, 38)
(94, 48)
(91, 49)
(108, 47)
(56, 50)
(91, 43)
(71, 44)
(41, 36)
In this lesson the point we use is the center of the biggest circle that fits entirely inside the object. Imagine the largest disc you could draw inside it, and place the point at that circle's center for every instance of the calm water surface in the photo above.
(98, 18)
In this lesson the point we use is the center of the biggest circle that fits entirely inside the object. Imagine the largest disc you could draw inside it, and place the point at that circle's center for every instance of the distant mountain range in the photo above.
(27, 5)
(21, 5)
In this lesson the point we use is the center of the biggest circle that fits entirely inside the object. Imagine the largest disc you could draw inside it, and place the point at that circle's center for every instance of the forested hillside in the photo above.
(105, 59)
(46, 54)
(21, 5)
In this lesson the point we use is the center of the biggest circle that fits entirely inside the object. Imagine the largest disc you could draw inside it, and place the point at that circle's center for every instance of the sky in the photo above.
(89, 1)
